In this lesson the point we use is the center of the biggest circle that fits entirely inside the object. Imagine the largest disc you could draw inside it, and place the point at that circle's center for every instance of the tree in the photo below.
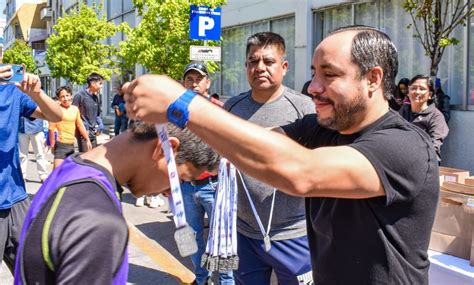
(77, 48)
(161, 41)
(434, 21)
(20, 53)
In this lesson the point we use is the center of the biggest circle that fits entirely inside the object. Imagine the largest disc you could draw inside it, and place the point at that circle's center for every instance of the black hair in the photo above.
(93, 77)
(61, 88)
(191, 148)
(404, 81)
(265, 39)
(370, 48)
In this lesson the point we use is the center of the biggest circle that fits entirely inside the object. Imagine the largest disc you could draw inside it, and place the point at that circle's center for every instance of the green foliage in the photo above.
(161, 40)
(77, 48)
(20, 53)
(434, 21)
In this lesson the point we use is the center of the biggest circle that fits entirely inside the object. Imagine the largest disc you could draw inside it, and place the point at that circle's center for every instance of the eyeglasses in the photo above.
(421, 90)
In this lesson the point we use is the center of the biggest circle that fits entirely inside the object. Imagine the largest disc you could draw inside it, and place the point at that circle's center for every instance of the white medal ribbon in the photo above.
(265, 234)
(222, 239)
(176, 198)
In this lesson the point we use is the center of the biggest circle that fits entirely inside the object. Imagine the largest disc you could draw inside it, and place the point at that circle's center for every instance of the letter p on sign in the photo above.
(205, 23)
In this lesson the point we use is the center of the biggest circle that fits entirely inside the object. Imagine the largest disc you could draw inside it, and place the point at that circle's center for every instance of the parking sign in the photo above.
(205, 23)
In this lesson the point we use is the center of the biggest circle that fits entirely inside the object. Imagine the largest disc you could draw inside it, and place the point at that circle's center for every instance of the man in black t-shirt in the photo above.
(88, 102)
(370, 178)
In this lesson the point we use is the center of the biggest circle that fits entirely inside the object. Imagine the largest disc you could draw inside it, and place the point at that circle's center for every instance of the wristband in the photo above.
(178, 112)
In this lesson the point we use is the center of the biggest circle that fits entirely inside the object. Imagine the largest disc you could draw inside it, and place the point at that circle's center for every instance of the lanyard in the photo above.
(254, 210)
(176, 198)
(222, 240)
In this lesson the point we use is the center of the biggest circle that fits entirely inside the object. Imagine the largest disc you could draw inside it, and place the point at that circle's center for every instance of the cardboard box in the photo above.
(453, 229)
(458, 188)
(448, 174)
(469, 181)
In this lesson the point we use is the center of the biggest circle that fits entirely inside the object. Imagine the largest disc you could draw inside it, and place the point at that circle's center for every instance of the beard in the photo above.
(345, 114)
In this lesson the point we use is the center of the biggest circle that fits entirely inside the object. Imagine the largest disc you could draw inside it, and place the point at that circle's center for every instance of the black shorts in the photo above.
(63, 150)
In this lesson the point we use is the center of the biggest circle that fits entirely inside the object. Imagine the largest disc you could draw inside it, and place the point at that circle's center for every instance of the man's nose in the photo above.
(315, 87)
(260, 65)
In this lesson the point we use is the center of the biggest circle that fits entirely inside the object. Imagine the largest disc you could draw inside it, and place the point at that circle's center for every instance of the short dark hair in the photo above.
(370, 48)
(61, 88)
(94, 76)
(191, 148)
(265, 39)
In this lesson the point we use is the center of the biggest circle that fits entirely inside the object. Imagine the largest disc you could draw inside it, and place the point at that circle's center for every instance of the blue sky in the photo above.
(2, 6)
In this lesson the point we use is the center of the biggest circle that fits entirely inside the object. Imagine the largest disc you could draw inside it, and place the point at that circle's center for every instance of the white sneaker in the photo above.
(140, 202)
(155, 201)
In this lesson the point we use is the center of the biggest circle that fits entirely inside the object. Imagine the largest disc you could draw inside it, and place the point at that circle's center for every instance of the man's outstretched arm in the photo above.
(267, 155)
(31, 85)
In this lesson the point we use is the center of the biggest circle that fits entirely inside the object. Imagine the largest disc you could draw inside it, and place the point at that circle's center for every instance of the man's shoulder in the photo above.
(295, 95)
(80, 93)
(235, 99)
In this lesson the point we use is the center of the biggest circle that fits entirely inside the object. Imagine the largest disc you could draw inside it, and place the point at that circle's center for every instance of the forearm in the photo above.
(83, 131)
(52, 140)
(49, 109)
(267, 155)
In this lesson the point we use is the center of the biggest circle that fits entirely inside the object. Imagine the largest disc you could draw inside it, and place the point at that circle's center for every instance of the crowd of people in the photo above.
(323, 197)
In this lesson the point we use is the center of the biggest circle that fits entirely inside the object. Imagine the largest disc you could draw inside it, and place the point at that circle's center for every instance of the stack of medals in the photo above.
(221, 248)
(184, 236)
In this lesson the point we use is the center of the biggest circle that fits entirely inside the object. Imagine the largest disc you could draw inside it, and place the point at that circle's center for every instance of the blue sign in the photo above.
(205, 23)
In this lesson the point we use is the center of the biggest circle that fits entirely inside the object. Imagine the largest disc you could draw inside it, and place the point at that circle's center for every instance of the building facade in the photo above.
(117, 11)
(23, 22)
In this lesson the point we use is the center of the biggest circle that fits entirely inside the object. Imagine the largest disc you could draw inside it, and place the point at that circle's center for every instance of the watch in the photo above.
(178, 112)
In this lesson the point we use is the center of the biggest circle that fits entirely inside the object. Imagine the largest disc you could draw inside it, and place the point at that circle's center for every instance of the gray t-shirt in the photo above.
(289, 212)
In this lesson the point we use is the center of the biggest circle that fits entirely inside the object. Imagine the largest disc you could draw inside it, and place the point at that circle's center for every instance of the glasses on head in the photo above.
(196, 65)
(418, 89)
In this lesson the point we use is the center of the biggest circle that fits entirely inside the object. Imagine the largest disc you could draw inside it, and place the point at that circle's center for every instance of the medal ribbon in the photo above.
(176, 198)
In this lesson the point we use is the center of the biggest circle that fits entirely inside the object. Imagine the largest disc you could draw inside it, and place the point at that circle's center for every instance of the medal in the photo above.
(186, 241)
(267, 243)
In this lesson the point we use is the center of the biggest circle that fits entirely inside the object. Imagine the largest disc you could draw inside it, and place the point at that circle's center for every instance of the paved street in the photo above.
(155, 237)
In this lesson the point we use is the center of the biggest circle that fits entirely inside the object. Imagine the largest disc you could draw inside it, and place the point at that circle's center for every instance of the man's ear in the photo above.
(174, 144)
(374, 78)
(158, 152)
(285, 67)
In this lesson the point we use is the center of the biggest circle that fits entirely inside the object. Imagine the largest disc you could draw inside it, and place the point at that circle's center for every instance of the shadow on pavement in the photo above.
(143, 275)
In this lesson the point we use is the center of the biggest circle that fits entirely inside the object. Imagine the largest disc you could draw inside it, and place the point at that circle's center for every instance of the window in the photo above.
(232, 80)
(390, 17)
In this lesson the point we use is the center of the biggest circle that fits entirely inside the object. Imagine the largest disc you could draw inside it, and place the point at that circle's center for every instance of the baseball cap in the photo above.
(199, 67)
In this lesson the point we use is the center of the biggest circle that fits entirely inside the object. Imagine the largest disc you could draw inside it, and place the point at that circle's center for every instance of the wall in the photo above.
(458, 149)
(245, 11)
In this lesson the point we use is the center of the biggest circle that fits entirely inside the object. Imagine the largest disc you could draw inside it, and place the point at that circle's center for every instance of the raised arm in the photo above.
(47, 109)
(267, 155)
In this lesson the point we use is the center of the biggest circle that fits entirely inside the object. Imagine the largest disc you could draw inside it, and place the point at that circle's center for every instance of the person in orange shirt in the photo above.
(63, 146)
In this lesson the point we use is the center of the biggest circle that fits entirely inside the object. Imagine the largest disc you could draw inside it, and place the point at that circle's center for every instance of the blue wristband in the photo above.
(178, 112)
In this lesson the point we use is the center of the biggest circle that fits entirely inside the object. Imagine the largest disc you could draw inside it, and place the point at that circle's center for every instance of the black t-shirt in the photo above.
(87, 238)
(382, 240)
